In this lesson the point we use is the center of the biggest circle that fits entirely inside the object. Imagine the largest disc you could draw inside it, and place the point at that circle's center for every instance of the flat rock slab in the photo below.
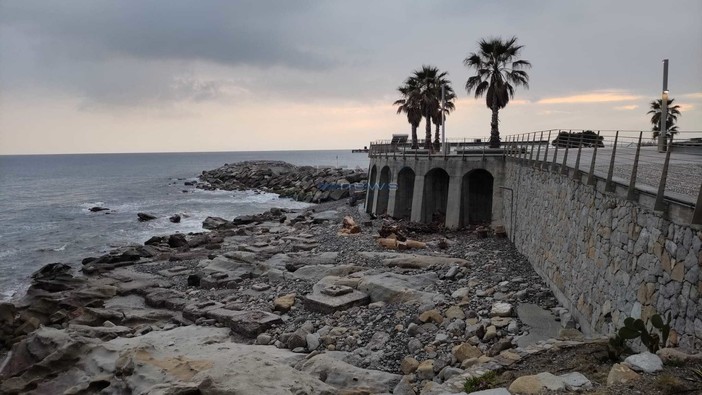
(328, 304)
(380, 255)
(345, 376)
(399, 288)
(329, 215)
(492, 391)
(413, 261)
(246, 323)
(174, 271)
(317, 272)
(543, 324)
(187, 360)
(301, 259)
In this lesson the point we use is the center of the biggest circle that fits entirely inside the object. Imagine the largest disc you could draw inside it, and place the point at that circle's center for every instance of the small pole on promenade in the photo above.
(663, 132)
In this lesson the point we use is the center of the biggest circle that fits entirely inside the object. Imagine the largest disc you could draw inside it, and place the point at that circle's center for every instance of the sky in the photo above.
(172, 75)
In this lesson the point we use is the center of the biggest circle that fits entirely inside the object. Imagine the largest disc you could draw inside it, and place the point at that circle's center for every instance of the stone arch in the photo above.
(404, 193)
(381, 207)
(435, 196)
(476, 197)
(370, 192)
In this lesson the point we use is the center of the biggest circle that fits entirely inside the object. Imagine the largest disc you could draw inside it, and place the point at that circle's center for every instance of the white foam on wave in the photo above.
(89, 205)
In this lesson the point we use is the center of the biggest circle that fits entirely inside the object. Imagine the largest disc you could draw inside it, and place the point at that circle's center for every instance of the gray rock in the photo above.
(398, 288)
(263, 339)
(412, 261)
(329, 215)
(414, 346)
(644, 362)
(320, 300)
(575, 381)
(341, 375)
(501, 309)
(312, 341)
(492, 391)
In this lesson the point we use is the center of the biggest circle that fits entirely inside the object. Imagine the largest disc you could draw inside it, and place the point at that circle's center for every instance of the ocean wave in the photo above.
(52, 249)
(8, 253)
(88, 205)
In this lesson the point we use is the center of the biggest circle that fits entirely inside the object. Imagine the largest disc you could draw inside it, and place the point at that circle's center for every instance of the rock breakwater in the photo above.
(302, 183)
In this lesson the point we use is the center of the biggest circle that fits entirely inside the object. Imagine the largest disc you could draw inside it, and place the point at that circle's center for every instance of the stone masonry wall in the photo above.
(606, 258)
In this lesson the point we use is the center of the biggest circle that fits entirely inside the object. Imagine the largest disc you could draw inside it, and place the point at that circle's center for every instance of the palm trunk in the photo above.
(437, 138)
(427, 140)
(415, 145)
(494, 131)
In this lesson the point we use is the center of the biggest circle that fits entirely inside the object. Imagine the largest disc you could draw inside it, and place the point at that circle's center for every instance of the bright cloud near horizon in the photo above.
(83, 76)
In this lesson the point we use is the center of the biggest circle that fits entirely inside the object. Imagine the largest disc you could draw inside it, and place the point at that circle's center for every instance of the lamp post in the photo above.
(443, 119)
(663, 132)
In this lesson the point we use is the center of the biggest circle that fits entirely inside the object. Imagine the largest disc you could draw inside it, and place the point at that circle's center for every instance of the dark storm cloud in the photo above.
(156, 52)
(259, 33)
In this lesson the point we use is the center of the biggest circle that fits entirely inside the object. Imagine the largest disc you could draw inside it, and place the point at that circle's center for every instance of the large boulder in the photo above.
(213, 223)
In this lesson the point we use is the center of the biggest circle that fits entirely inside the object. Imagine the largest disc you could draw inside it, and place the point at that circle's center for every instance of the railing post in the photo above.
(548, 143)
(576, 172)
(564, 170)
(531, 152)
(631, 193)
(463, 152)
(555, 154)
(538, 150)
(591, 176)
(518, 149)
(697, 214)
(660, 196)
(609, 187)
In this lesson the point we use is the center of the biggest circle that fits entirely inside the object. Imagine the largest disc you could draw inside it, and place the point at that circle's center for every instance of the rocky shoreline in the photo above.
(297, 301)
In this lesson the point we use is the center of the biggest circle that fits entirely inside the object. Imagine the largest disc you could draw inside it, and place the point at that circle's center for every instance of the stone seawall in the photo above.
(606, 258)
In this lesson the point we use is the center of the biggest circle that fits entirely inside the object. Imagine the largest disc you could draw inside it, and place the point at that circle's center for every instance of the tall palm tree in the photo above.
(499, 72)
(437, 118)
(671, 119)
(428, 81)
(410, 104)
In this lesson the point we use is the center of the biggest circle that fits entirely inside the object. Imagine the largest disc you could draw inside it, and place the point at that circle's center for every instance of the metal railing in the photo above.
(625, 157)
(454, 147)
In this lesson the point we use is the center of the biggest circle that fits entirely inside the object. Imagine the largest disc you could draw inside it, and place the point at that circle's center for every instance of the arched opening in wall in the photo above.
(435, 196)
(370, 192)
(383, 191)
(404, 193)
(476, 197)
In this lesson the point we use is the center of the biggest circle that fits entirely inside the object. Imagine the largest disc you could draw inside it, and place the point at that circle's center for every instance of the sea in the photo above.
(45, 202)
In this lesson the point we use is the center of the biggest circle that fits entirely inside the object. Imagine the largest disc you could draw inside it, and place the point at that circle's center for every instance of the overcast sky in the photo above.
(170, 75)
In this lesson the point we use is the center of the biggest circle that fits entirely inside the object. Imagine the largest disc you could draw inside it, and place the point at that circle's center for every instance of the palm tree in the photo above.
(671, 119)
(427, 82)
(499, 72)
(410, 104)
(449, 106)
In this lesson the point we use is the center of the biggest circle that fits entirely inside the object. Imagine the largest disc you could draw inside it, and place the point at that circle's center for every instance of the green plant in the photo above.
(616, 347)
(698, 372)
(635, 328)
(483, 382)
